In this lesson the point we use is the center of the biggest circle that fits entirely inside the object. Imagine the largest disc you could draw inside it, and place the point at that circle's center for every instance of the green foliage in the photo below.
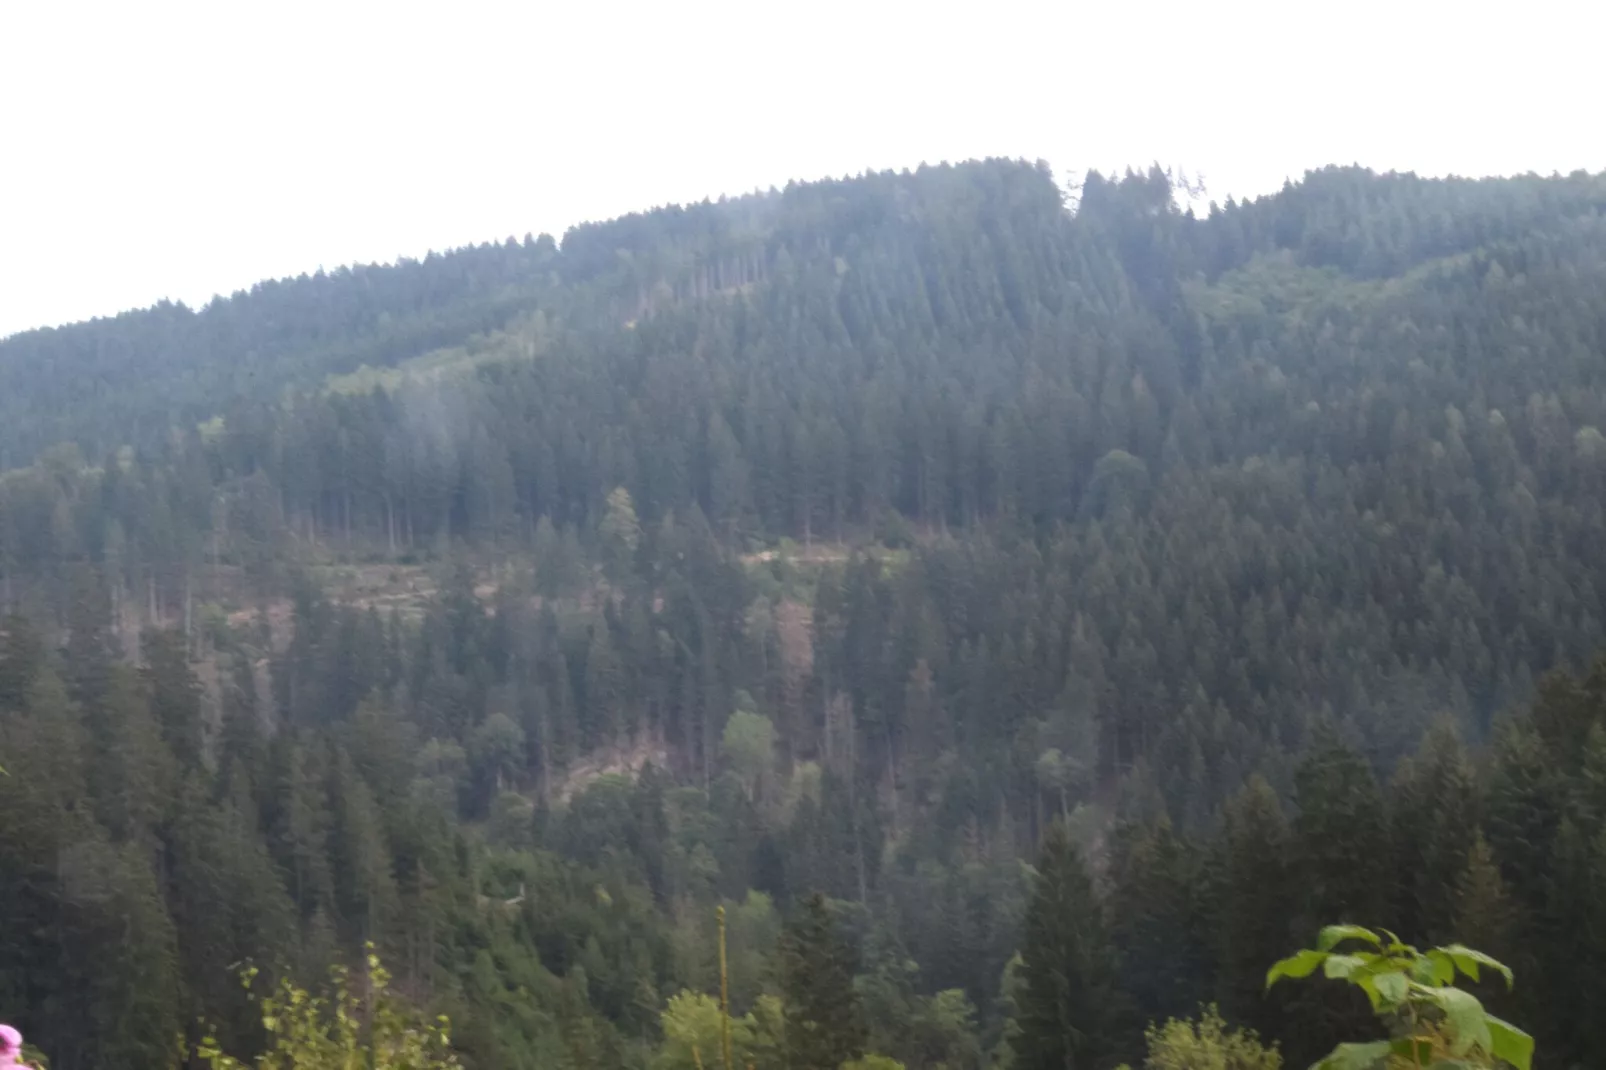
(1431, 1022)
(944, 1032)
(345, 1029)
(938, 1031)
(755, 929)
(766, 1025)
(824, 1023)
(1180, 504)
(1256, 896)
(1342, 834)
(872, 1062)
(748, 743)
(620, 529)
(1156, 908)
(1072, 1011)
(1435, 826)
(693, 1037)
(693, 1032)
(1206, 1044)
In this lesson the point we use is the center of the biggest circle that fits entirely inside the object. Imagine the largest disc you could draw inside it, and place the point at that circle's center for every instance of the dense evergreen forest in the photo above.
(940, 573)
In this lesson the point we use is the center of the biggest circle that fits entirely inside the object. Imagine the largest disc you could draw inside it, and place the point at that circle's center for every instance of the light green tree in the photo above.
(1206, 1044)
(766, 1025)
(344, 1030)
(755, 927)
(945, 1032)
(693, 1041)
(620, 529)
(692, 1033)
(748, 743)
(1054, 774)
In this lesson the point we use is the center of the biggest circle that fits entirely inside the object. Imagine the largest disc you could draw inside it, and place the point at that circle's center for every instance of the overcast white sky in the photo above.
(172, 149)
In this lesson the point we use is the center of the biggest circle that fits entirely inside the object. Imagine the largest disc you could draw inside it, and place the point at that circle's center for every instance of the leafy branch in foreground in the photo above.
(1431, 1022)
(346, 1030)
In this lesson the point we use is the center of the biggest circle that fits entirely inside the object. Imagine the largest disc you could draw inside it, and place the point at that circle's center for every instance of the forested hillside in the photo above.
(514, 608)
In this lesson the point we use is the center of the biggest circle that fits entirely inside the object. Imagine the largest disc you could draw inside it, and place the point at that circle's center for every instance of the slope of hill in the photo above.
(128, 378)
(893, 515)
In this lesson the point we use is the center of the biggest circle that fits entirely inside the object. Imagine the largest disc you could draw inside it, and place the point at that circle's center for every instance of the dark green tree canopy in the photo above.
(515, 608)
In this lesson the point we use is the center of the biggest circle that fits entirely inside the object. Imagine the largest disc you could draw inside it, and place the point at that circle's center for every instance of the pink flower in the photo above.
(10, 1048)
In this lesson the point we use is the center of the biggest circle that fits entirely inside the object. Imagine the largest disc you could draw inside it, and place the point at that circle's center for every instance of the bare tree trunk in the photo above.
(892, 772)
(703, 747)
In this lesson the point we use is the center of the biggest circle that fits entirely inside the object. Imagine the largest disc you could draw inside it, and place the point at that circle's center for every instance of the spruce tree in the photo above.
(1255, 899)
(1434, 819)
(1155, 921)
(1072, 1012)
(175, 695)
(1488, 918)
(1343, 851)
(1525, 804)
(1342, 837)
(824, 1024)
(605, 695)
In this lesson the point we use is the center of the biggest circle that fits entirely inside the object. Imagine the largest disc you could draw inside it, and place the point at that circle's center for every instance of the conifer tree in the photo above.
(175, 695)
(363, 879)
(824, 1024)
(1346, 871)
(1435, 821)
(1072, 1012)
(1156, 921)
(1255, 901)
(620, 531)
(1342, 836)
(1489, 918)
(604, 690)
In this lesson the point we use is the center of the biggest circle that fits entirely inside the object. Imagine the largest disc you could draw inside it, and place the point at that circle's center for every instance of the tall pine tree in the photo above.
(1073, 1014)
(824, 1024)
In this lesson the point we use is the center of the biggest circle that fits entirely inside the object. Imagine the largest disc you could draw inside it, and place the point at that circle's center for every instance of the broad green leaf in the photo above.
(1296, 966)
(1355, 1056)
(1439, 967)
(1469, 960)
(1469, 1024)
(1334, 935)
(1366, 975)
(1510, 1044)
(1392, 986)
(1340, 967)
